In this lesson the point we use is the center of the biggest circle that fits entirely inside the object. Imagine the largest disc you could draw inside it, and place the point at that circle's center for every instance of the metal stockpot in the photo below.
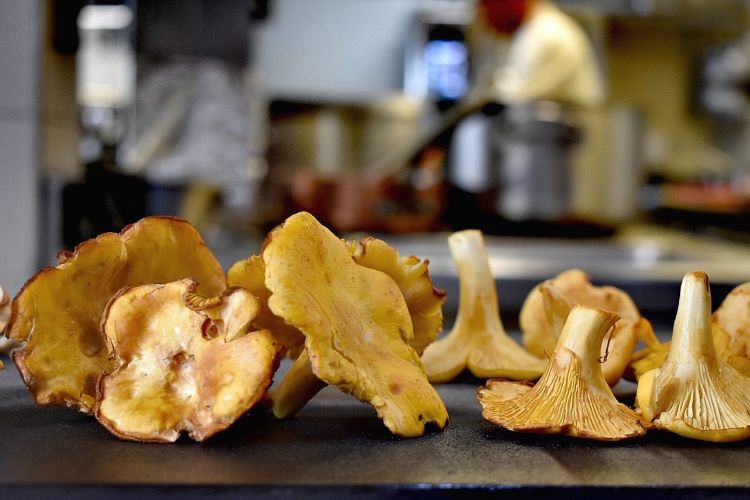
(534, 141)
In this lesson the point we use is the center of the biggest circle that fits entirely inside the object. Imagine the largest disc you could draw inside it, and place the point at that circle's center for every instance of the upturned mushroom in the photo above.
(356, 325)
(478, 340)
(541, 326)
(183, 362)
(58, 312)
(694, 393)
(571, 397)
(730, 327)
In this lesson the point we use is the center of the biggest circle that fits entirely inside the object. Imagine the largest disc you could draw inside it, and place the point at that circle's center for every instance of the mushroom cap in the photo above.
(731, 329)
(477, 340)
(572, 396)
(411, 274)
(355, 321)
(694, 393)
(250, 275)
(574, 287)
(59, 310)
(176, 368)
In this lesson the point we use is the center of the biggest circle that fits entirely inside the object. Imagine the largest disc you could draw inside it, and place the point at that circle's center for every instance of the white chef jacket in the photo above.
(550, 58)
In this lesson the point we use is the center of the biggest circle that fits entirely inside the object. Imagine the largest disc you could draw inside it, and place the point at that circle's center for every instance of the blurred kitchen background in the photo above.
(378, 116)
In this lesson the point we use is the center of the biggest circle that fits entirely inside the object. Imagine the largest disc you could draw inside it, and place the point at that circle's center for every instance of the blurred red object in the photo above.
(505, 16)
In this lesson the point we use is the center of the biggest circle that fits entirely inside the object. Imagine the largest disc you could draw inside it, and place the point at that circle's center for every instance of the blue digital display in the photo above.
(447, 63)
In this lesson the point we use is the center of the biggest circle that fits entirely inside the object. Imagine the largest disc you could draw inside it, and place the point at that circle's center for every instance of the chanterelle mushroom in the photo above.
(573, 287)
(59, 310)
(730, 327)
(183, 362)
(356, 326)
(410, 274)
(694, 393)
(478, 340)
(572, 396)
(250, 275)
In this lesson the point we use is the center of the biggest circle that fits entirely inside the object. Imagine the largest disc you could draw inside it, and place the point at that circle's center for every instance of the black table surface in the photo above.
(337, 446)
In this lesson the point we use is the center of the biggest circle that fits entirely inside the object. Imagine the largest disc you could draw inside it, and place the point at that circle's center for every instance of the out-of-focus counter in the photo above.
(646, 261)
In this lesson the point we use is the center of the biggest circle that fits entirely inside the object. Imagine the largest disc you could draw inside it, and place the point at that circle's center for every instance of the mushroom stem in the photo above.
(298, 386)
(692, 336)
(477, 340)
(478, 296)
(582, 335)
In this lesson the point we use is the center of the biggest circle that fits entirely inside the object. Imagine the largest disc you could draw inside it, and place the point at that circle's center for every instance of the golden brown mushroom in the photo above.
(59, 310)
(694, 393)
(573, 287)
(182, 362)
(356, 326)
(478, 340)
(410, 273)
(730, 327)
(250, 275)
(572, 396)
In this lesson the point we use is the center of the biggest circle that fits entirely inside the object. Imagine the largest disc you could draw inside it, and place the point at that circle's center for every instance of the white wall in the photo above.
(20, 28)
(345, 50)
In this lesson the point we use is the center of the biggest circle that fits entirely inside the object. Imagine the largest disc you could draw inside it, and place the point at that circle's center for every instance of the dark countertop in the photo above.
(337, 446)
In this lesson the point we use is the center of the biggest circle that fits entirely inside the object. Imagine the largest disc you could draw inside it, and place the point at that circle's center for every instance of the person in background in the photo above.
(547, 78)
(549, 58)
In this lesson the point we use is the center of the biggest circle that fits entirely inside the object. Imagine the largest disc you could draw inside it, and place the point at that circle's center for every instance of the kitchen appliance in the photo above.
(534, 142)
(195, 78)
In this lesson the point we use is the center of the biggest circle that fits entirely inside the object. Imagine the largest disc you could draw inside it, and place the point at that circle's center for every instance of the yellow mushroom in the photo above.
(250, 275)
(541, 326)
(730, 327)
(58, 312)
(694, 393)
(183, 362)
(478, 340)
(411, 274)
(356, 325)
(572, 397)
